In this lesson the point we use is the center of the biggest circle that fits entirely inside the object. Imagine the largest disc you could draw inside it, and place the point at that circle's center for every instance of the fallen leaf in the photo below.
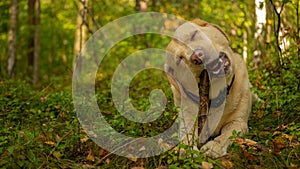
(206, 165)
(84, 139)
(260, 114)
(176, 149)
(40, 138)
(277, 113)
(21, 133)
(90, 156)
(244, 143)
(249, 144)
(282, 127)
(131, 157)
(293, 165)
(290, 138)
(248, 155)
(101, 152)
(57, 154)
(137, 168)
(50, 143)
(278, 144)
(82, 132)
(226, 163)
(276, 133)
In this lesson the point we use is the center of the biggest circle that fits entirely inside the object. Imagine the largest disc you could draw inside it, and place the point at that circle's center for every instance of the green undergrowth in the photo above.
(40, 129)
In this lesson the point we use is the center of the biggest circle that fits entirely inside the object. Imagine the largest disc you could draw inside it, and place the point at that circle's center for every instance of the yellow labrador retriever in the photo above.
(199, 46)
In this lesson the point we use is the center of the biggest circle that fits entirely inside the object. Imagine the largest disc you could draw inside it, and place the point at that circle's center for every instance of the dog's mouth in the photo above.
(217, 65)
(216, 68)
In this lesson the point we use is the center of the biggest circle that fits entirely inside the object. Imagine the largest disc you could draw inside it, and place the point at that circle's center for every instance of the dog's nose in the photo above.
(197, 56)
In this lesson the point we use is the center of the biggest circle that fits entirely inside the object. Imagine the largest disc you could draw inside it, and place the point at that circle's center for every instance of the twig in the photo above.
(278, 28)
(42, 91)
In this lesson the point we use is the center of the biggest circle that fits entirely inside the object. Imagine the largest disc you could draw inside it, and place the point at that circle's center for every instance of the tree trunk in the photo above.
(268, 35)
(81, 29)
(260, 14)
(31, 23)
(137, 5)
(298, 28)
(36, 41)
(12, 39)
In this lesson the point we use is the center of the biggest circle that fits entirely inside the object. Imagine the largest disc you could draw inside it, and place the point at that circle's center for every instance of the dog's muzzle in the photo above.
(216, 68)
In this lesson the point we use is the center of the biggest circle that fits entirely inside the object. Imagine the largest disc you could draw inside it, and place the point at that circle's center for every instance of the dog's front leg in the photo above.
(218, 147)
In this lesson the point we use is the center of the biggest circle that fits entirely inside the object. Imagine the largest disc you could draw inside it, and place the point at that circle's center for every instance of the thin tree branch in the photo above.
(278, 14)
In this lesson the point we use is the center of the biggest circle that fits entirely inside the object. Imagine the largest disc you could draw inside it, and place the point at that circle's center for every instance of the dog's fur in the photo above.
(201, 45)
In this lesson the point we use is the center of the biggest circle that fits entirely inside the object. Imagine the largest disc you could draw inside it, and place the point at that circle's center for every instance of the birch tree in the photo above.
(12, 38)
(260, 13)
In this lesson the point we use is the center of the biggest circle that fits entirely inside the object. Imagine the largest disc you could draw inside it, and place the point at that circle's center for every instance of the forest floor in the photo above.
(40, 129)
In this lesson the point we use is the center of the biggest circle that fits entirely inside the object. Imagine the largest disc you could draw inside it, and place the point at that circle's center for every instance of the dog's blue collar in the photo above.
(215, 102)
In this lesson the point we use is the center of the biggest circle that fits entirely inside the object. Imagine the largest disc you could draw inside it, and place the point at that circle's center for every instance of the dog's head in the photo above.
(200, 45)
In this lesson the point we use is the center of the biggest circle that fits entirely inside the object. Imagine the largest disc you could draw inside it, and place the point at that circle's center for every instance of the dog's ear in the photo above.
(203, 23)
(200, 22)
(220, 29)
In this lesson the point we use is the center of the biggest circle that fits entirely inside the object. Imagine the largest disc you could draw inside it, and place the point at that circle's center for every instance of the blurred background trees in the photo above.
(41, 39)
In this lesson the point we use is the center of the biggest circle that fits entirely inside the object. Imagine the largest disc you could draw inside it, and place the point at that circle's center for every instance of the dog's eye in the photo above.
(179, 59)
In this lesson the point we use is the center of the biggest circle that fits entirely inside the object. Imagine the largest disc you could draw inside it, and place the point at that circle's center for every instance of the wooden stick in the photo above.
(204, 99)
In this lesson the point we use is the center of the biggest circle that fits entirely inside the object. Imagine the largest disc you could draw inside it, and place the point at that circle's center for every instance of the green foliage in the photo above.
(35, 126)
(274, 121)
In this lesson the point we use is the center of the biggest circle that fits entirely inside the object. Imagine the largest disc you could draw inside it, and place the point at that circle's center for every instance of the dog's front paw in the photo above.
(214, 149)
